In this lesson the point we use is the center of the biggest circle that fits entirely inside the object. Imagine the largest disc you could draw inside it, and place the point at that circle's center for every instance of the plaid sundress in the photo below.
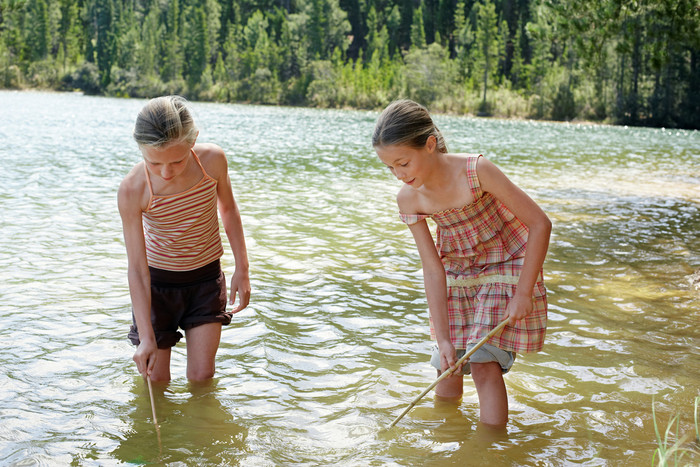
(482, 246)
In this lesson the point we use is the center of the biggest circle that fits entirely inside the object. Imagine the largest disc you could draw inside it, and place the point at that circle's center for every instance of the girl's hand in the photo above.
(448, 355)
(145, 357)
(240, 285)
(519, 307)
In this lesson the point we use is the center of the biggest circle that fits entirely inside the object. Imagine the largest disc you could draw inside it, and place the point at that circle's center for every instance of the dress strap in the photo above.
(473, 178)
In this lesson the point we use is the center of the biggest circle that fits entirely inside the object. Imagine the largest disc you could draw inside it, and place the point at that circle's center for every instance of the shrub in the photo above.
(563, 105)
(43, 74)
(429, 73)
(86, 78)
(323, 89)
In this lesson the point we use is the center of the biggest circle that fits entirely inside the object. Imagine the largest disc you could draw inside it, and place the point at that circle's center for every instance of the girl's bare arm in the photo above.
(435, 291)
(129, 201)
(231, 220)
(519, 203)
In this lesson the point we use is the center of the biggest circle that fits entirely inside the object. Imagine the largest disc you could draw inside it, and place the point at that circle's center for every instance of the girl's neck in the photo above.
(446, 187)
(441, 171)
(190, 176)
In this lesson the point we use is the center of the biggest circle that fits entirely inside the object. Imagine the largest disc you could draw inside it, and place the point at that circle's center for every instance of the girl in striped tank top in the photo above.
(485, 264)
(168, 205)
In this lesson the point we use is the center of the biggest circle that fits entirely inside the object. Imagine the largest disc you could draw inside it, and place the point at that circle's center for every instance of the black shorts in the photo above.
(184, 299)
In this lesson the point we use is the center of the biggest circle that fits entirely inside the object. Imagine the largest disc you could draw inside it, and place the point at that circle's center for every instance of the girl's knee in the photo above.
(484, 373)
(200, 374)
(450, 387)
(161, 370)
(160, 376)
(493, 398)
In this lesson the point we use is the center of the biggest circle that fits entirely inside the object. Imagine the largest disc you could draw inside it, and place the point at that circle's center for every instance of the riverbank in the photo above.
(514, 107)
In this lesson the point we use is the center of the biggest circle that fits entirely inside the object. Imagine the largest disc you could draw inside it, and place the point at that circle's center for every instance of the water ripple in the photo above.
(335, 342)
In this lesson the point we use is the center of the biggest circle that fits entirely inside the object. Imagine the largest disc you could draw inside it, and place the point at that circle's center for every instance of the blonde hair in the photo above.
(164, 120)
(405, 122)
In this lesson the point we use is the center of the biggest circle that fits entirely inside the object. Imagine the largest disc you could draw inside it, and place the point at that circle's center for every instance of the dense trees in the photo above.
(625, 61)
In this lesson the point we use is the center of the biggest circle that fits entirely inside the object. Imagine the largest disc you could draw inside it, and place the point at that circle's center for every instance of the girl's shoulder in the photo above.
(476, 166)
(135, 179)
(208, 150)
(462, 155)
(407, 200)
(212, 157)
(463, 161)
(133, 189)
(486, 170)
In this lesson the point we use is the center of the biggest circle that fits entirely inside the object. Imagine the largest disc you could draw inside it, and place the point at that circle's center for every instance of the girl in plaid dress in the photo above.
(486, 262)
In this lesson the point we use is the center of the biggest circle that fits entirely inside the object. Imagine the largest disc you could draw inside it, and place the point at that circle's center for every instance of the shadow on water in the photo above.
(196, 427)
(441, 433)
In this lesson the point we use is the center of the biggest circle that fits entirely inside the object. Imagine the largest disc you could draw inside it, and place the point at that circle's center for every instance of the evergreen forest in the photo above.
(631, 62)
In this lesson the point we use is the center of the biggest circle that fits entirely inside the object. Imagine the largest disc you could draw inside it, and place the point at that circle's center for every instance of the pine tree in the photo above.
(417, 28)
(393, 26)
(70, 32)
(463, 39)
(172, 58)
(102, 15)
(539, 31)
(405, 8)
(213, 16)
(487, 46)
(147, 52)
(37, 38)
(196, 47)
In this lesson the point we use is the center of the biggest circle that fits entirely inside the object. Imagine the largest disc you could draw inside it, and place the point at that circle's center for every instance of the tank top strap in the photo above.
(206, 175)
(150, 187)
(473, 178)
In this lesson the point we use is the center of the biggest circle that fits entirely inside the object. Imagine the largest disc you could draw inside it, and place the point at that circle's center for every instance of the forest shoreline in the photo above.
(628, 63)
(575, 121)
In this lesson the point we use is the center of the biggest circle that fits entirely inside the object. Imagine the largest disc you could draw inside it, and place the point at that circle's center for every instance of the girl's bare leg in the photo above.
(202, 344)
(491, 389)
(161, 370)
(450, 388)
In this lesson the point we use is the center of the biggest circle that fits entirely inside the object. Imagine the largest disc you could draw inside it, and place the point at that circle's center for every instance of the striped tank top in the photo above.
(182, 230)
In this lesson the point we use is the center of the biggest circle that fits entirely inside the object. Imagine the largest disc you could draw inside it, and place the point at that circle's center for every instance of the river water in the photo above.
(334, 344)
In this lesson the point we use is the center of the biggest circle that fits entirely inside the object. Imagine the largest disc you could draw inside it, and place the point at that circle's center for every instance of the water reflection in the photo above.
(196, 427)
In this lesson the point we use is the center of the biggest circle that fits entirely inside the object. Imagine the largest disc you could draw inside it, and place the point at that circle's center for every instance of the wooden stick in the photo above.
(153, 410)
(447, 373)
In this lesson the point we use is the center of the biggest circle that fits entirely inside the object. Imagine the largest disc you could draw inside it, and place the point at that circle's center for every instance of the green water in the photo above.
(335, 342)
